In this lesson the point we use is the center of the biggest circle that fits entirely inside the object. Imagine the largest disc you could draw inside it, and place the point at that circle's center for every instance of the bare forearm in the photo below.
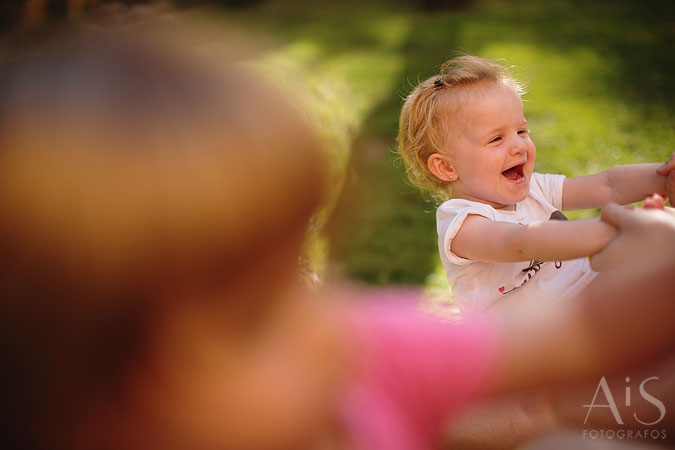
(484, 240)
(555, 241)
(502, 423)
(511, 421)
(630, 404)
(634, 182)
(601, 331)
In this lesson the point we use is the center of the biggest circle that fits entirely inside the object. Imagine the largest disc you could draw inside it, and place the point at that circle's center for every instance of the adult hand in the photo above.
(646, 236)
(668, 170)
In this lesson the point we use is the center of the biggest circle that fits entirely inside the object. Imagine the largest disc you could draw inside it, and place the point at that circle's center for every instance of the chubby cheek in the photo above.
(531, 159)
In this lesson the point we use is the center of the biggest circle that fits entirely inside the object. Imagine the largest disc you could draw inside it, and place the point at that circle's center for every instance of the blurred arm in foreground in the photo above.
(641, 257)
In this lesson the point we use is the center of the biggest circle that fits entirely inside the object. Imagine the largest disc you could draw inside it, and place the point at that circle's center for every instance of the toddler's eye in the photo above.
(522, 132)
(495, 139)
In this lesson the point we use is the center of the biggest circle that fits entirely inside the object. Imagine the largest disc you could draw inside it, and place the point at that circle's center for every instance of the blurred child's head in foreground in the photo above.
(451, 124)
(154, 199)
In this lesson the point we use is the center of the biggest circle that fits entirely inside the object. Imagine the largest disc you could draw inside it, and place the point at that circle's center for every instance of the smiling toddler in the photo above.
(464, 136)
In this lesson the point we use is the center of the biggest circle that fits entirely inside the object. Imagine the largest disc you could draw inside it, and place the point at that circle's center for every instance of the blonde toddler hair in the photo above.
(422, 121)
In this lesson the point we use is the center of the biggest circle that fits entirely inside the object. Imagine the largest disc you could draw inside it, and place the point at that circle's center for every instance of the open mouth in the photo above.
(515, 173)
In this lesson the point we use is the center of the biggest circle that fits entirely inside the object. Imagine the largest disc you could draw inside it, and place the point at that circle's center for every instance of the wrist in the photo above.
(603, 235)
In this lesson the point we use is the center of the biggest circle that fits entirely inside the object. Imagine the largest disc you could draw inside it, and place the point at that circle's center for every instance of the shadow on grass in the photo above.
(384, 230)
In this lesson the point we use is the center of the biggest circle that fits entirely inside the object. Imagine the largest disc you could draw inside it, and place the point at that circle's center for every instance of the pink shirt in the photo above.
(415, 372)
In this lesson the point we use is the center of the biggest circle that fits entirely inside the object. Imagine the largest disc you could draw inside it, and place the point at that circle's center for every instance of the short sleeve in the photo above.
(550, 186)
(450, 218)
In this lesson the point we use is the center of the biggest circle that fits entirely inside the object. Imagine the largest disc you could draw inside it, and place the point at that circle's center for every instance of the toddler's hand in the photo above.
(646, 236)
(667, 167)
(670, 187)
(668, 170)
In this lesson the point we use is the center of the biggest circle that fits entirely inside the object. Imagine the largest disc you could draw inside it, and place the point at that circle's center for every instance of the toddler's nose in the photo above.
(518, 146)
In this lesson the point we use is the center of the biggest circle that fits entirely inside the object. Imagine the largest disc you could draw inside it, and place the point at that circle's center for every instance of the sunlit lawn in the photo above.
(600, 94)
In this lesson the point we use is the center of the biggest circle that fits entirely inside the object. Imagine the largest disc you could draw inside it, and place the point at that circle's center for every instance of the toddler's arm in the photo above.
(621, 318)
(621, 184)
(486, 240)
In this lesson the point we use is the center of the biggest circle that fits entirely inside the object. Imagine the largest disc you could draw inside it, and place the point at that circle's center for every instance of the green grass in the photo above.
(601, 94)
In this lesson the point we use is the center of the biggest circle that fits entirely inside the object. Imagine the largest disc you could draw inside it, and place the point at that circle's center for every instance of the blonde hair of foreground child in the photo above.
(141, 184)
(423, 128)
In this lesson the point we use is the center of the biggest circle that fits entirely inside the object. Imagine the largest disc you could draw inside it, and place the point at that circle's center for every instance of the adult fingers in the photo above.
(614, 215)
(615, 253)
(670, 187)
(604, 260)
(668, 166)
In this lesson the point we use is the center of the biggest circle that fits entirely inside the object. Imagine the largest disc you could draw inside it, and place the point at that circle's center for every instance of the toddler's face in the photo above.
(490, 147)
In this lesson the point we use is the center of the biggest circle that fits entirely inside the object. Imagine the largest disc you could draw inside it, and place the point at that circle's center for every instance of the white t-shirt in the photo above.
(476, 285)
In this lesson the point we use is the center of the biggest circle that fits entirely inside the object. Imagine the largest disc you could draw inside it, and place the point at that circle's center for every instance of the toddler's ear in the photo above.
(441, 167)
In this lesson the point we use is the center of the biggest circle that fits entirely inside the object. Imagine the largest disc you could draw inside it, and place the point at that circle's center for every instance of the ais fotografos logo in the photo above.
(643, 428)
